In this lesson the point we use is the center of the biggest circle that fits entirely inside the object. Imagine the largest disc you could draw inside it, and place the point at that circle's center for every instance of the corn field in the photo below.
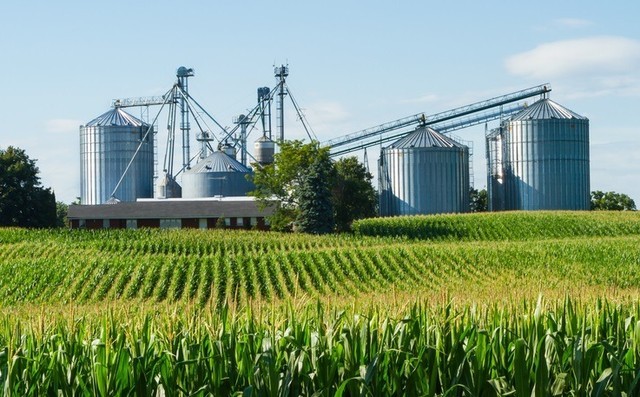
(524, 225)
(538, 349)
(436, 306)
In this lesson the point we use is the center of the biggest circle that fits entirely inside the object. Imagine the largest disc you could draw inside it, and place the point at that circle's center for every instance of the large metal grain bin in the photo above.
(424, 173)
(216, 175)
(107, 145)
(543, 160)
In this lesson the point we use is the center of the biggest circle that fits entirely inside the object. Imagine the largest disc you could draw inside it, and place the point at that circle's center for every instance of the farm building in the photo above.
(235, 212)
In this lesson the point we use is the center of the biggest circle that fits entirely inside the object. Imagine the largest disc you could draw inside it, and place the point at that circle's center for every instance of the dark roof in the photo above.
(170, 209)
(546, 109)
(424, 137)
(115, 117)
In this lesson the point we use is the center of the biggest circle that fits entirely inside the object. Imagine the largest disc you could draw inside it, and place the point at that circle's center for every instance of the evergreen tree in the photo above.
(278, 184)
(315, 213)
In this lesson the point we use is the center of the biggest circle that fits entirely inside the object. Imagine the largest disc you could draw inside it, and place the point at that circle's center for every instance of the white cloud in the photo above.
(572, 22)
(583, 68)
(603, 55)
(57, 126)
(600, 86)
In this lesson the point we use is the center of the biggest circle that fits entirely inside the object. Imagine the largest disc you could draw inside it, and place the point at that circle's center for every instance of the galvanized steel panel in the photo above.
(545, 165)
(216, 175)
(547, 109)
(425, 137)
(210, 184)
(218, 162)
(115, 117)
(424, 180)
(105, 150)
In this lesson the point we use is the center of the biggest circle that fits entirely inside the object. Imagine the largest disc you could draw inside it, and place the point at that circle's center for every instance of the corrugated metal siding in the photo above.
(210, 184)
(542, 161)
(218, 162)
(216, 175)
(105, 151)
(547, 165)
(425, 137)
(115, 117)
(546, 109)
(424, 181)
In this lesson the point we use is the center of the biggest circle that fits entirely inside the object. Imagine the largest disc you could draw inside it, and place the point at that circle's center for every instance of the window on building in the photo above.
(170, 223)
(132, 223)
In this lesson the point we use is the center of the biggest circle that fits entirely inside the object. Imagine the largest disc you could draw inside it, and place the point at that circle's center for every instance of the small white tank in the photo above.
(264, 150)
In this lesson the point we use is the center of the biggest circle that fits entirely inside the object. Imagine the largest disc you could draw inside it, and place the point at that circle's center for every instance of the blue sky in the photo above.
(352, 64)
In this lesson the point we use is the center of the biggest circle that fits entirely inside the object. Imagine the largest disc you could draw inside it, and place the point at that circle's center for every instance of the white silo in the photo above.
(424, 173)
(539, 160)
(217, 175)
(107, 145)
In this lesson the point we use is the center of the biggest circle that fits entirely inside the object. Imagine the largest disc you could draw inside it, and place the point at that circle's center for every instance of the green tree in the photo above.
(62, 209)
(23, 202)
(479, 200)
(611, 201)
(278, 184)
(353, 195)
(315, 205)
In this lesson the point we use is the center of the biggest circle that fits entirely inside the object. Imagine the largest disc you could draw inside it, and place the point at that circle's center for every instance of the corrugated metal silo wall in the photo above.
(424, 181)
(495, 172)
(104, 155)
(546, 165)
(209, 184)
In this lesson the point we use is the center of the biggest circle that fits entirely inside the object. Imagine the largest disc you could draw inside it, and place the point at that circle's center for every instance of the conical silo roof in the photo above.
(424, 137)
(115, 117)
(218, 162)
(546, 109)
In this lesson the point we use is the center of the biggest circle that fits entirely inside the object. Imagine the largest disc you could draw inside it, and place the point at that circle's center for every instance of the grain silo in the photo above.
(424, 173)
(216, 175)
(543, 160)
(107, 145)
